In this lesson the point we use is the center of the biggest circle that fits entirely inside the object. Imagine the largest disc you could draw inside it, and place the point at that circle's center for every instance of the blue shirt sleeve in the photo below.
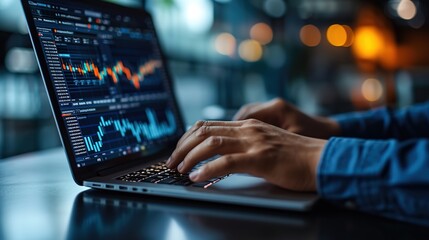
(384, 177)
(386, 123)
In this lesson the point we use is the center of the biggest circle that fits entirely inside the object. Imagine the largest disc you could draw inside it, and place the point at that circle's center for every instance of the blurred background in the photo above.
(325, 56)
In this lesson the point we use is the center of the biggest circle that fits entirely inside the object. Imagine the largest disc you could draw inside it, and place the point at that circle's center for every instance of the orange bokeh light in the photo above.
(225, 44)
(250, 50)
(350, 36)
(262, 33)
(368, 43)
(337, 35)
(310, 35)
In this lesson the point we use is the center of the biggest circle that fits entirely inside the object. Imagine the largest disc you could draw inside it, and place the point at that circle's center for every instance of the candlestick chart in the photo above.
(116, 72)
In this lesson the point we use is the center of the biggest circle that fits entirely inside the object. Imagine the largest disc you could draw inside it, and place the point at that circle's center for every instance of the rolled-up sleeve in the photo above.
(388, 178)
(385, 123)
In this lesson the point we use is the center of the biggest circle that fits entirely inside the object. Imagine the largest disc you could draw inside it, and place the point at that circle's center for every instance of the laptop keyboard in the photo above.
(159, 173)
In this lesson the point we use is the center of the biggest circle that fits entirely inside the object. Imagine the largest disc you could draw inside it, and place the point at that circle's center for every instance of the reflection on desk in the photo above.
(102, 215)
(39, 200)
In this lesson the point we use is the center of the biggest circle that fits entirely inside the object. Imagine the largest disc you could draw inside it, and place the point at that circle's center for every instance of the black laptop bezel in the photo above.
(84, 173)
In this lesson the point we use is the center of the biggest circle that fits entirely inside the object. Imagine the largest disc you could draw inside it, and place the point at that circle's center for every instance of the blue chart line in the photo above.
(150, 131)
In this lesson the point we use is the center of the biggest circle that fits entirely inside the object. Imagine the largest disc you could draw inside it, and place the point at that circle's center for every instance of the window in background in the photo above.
(25, 117)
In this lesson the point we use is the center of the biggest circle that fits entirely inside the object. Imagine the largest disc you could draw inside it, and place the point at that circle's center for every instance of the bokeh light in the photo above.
(275, 8)
(337, 35)
(250, 50)
(407, 10)
(21, 60)
(368, 43)
(262, 33)
(350, 36)
(310, 35)
(372, 90)
(198, 14)
(225, 44)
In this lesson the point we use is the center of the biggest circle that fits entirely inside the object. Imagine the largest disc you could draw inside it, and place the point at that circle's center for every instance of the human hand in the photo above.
(251, 146)
(284, 115)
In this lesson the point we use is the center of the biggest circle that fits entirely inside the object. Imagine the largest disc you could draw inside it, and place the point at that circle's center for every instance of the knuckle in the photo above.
(252, 122)
(195, 127)
(282, 105)
(199, 124)
(203, 131)
(279, 101)
(215, 142)
(253, 127)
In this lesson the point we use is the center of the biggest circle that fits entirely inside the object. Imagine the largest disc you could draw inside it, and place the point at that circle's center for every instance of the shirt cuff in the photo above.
(369, 125)
(349, 172)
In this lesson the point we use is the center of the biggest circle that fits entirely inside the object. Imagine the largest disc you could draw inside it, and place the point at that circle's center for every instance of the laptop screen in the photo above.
(109, 80)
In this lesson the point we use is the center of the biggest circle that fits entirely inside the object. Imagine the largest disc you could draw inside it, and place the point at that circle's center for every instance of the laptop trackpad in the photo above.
(240, 181)
(252, 186)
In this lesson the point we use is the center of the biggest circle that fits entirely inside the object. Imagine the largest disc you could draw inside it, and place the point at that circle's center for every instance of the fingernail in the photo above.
(168, 161)
(180, 166)
(193, 175)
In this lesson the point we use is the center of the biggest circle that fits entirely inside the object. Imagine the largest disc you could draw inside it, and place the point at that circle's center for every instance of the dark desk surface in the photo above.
(39, 200)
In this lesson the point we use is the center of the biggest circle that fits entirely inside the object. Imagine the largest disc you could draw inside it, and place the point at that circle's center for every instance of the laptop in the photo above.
(114, 105)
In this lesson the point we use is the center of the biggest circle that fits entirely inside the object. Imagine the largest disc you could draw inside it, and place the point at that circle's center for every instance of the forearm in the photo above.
(386, 123)
(387, 178)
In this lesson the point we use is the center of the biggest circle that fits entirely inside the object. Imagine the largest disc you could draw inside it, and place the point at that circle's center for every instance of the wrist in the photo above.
(314, 160)
(330, 126)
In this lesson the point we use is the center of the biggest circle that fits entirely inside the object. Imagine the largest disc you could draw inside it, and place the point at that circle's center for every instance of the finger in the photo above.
(200, 124)
(234, 163)
(196, 138)
(210, 147)
(245, 111)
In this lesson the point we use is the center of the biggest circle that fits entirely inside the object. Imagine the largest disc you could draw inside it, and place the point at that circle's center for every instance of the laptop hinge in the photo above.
(123, 167)
(118, 168)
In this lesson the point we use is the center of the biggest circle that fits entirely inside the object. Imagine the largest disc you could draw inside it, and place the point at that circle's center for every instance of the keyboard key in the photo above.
(151, 180)
(159, 173)
(169, 180)
(159, 177)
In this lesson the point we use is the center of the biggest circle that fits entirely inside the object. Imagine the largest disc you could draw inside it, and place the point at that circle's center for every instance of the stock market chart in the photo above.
(112, 129)
(109, 80)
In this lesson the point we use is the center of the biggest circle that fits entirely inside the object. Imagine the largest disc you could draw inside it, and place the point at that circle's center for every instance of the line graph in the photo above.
(140, 131)
(89, 68)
